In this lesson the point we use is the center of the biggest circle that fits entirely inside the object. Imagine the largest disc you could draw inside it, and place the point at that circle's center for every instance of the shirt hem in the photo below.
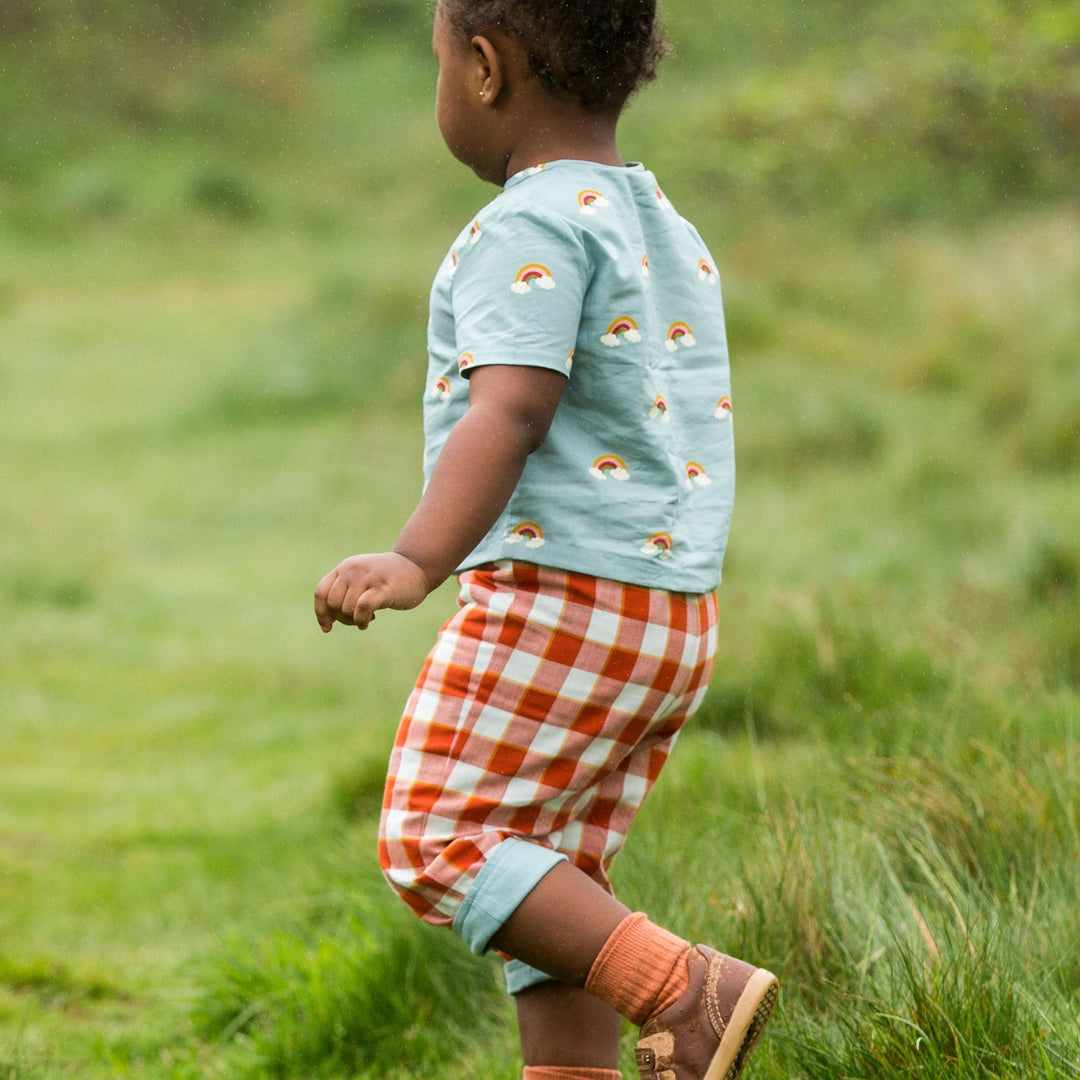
(614, 569)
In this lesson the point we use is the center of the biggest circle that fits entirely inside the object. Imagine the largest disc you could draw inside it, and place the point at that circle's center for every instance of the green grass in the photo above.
(211, 351)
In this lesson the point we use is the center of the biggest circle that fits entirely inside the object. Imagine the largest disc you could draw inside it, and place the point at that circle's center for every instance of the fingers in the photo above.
(349, 599)
(363, 611)
(333, 603)
(323, 613)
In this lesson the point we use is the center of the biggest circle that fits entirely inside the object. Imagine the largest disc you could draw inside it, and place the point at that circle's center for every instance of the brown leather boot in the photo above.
(708, 1033)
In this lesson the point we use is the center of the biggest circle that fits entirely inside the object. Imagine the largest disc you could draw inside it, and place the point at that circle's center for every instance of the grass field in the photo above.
(211, 355)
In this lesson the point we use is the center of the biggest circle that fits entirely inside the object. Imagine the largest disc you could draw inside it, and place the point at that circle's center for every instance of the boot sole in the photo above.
(748, 1020)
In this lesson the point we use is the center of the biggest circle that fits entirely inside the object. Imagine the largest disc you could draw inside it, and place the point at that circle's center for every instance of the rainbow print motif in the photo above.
(570, 359)
(659, 544)
(644, 265)
(659, 408)
(441, 389)
(723, 408)
(532, 170)
(465, 361)
(589, 201)
(474, 232)
(696, 474)
(705, 272)
(453, 261)
(610, 465)
(679, 334)
(661, 197)
(526, 532)
(622, 327)
(532, 274)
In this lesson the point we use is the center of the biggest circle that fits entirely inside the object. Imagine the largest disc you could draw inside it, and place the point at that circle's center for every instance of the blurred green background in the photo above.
(218, 227)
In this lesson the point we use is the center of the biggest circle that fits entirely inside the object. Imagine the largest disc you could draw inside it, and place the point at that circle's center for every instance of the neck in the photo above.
(576, 135)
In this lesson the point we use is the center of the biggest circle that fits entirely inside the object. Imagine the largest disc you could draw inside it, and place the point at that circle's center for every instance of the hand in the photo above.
(358, 587)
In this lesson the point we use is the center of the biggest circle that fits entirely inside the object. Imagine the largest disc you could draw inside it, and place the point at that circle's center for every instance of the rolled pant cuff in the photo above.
(511, 871)
(520, 977)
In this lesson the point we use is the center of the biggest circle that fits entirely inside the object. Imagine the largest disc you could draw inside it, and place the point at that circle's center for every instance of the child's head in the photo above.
(596, 53)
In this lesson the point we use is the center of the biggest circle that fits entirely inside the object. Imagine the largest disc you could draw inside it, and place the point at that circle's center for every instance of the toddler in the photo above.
(579, 479)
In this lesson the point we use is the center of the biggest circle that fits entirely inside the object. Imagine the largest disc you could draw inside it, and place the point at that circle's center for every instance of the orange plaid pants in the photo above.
(544, 713)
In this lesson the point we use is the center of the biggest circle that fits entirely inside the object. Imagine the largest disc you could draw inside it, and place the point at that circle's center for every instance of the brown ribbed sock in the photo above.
(641, 969)
(560, 1072)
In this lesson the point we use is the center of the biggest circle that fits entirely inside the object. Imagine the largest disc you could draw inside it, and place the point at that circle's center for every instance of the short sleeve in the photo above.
(518, 291)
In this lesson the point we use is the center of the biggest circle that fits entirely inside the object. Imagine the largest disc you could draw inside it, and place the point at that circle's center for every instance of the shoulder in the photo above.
(544, 206)
(526, 231)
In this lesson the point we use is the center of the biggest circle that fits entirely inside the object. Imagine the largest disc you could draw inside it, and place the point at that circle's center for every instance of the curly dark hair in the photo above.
(597, 52)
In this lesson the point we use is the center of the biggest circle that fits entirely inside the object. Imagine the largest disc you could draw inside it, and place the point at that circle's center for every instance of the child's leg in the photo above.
(562, 925)
(543, 716)
(566, 922)
(566, 1027)
(701, 1012)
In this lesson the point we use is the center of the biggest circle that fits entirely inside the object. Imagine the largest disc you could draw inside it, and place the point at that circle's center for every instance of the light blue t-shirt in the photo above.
(588, 270)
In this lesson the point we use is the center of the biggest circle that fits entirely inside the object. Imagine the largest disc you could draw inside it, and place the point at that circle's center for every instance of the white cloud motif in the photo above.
(611, 339)
(528, 541)
(615, 474)
(685, 340)
(541, 281)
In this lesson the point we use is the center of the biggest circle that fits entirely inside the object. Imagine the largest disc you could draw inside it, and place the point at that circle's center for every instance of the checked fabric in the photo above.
(544, 712)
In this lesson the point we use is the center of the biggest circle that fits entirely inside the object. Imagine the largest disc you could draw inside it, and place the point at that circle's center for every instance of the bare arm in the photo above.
(510, 411)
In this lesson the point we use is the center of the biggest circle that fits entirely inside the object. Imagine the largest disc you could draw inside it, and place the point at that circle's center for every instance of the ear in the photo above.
(490, 69)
